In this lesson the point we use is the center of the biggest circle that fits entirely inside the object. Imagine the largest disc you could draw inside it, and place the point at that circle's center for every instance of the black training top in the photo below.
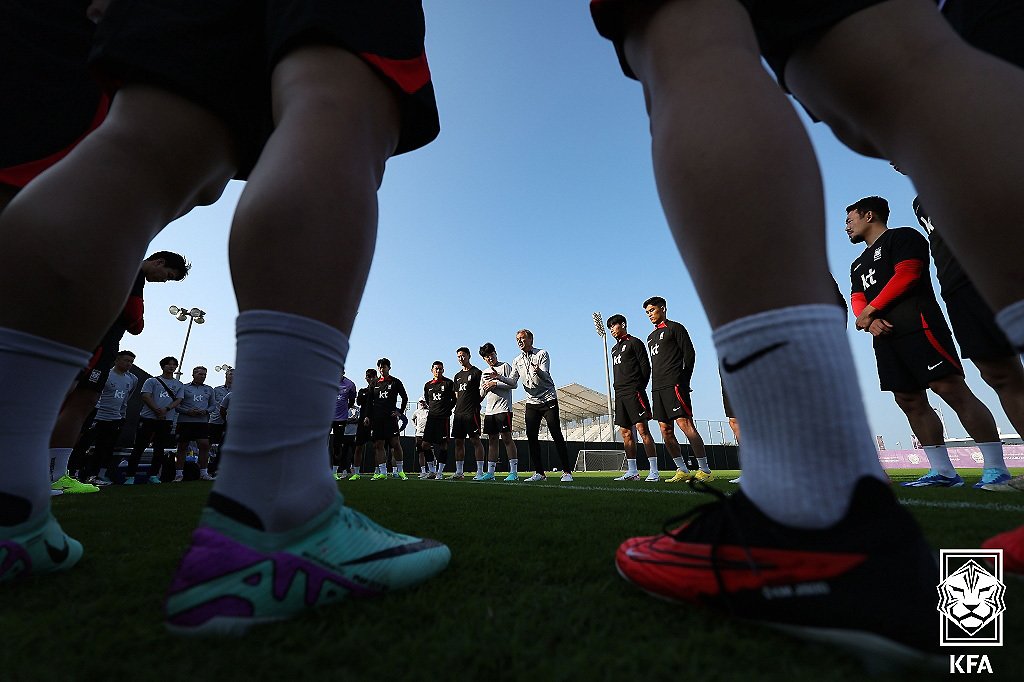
(440, 397)
(630, 364)
(672, 355)
(467, 391)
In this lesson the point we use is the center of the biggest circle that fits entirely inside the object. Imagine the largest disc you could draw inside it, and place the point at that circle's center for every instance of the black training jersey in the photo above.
(440, 397)
(384, 395)
(467, 391)
(672, 355)
(947, 267)
(630, 365)
(912, 309)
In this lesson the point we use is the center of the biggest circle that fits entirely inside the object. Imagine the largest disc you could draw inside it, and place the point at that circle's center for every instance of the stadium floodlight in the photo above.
(223, 368)
(599, 325)
(193, 315)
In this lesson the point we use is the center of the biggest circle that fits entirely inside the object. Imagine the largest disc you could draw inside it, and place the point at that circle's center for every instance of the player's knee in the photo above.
(1003, 375)
(911, 403)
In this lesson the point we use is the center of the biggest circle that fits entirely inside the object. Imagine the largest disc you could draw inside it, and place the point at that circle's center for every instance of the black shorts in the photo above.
(781, 27)
(437, 430)
(466, 426)
(631, 408)
(974, 326)
(498, 423)
(672, 403)
(220, 54)
(187, 431)
(50, 100)
(215, 432)
(908, 363)
(363, 434)
(383, 427)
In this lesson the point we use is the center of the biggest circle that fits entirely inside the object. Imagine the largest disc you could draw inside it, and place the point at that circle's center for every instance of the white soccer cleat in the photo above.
(653, 476)
(628, 476)
(566, 478)
(736, 480)
(535, 478)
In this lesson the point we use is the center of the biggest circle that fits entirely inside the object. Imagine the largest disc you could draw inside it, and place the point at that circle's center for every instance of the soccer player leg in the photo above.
(533, 417)
(979, 424)
(786, 362)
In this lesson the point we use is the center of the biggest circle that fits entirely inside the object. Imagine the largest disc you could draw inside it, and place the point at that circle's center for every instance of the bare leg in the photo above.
(689, 429)
(976, 418)
(1006, 377)
(923, 421)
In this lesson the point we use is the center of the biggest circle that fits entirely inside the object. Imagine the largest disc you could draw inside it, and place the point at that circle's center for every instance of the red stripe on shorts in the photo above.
(640, 399)
(409, 74)
(682, 402)
(938, 346)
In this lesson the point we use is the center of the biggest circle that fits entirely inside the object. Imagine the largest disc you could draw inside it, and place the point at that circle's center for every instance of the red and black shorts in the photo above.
(498, 423)
(781, 27)
(466, 426)
(50, 99)
(974, 326)
(383, 427)
(908, 363)
(187, 431)
(437, 430)
(631, 408)
(672, 403)
(220, 55)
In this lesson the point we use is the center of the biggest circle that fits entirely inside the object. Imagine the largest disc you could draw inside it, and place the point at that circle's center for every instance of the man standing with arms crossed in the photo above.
(533, 368)
(632, 371)
(497, 390)
(439, 393)
(466, 423)
(672, 358)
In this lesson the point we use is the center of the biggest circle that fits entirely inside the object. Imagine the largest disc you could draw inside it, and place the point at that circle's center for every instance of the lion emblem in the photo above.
(971, 597)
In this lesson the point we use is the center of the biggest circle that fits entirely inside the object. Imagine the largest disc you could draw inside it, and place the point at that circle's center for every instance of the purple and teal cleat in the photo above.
(36, 547)
(233, 576)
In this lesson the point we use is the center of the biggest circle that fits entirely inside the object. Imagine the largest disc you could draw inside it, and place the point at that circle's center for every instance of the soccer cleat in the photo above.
(439, 476)
(423, 475)
(458, 476)
(487, 477)
(566, 478)
(129, 480)
(628, 476)
(992, 477)
(178, 478)
(205, 476)
(155, 480)
(73, 486)
(55, 493)
(736, 480)
(479, 476)
(401, 476)
(680, 475)
(513, 476)
(933, 479)
(653, 476)
(233, 577)
(379, 477)
(730, 557)
(354, 477)
(535, 478)
(1012, 544)
(341, 476)
(703, 476)
(99, 481)
(35, 547)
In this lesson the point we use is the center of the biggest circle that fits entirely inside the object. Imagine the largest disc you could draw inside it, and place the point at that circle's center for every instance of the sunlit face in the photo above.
(123, 363)
(655, 313)
(463, 358)
(857, 226)
(618, 330)
(437, 370)
(491, 359)
(198, 375)
(385, 370)
(525, 341)
(169, 367)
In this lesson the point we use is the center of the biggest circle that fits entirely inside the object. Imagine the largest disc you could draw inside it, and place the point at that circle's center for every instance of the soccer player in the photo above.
(217, 423)
(532, 367)
(346, 397)
(632, 371)
(496, 389)
(439, 393)
(364, 397)
(160, 396)
(111, 411)
(194, 423)
(868, 68)
(892, 299)
(425, 454)
(383, 420)
(306, 101)
(672, 358)
(466, 422)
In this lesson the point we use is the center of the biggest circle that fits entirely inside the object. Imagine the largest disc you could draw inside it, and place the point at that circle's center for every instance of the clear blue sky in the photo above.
(539, 197)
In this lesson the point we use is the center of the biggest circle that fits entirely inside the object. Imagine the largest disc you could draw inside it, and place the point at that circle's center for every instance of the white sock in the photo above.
(993, 455)
(630, 466)
(459, 466)
(491, 466)
(35, 374)
(1011, 319)
(513, 464)
(480, 465)
(275, 466)
(440, 467)
(102, 472)
(702, 463)
(334, 470)
(204, 472)
(806, 440)
(431, 468)
(399, 466)
(938, 460)
(652, 462)
(382, 469)
(60, 462)
(680, 463)
(179, 473)
(423, 470)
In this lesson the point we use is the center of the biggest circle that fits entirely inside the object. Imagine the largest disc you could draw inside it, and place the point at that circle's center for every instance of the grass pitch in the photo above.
(531, 593)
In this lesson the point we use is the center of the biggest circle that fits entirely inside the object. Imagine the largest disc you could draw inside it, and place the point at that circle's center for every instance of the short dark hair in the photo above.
(655, 301)
(124, 352)
(616, 319)
(200, 367)
(173, 260)
(384, 361)
(370, 370)
(169, 359)
(462, 349)
(487, 349)
(877, 205)
(435, 363)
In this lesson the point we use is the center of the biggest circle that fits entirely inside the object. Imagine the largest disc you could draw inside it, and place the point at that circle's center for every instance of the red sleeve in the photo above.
(908, 272)
(132, 314)
(858, 301)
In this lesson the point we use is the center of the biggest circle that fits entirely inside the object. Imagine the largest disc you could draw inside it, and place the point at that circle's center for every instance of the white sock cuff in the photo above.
(274, 322)
(14, 341)
(786, 319)
(1011, 320)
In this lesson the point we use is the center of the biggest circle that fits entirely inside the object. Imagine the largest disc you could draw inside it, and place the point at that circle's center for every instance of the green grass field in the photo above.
(531, 594)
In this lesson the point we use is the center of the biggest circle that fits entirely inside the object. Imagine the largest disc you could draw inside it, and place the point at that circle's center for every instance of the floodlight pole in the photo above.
(599, 325)
(193, 315)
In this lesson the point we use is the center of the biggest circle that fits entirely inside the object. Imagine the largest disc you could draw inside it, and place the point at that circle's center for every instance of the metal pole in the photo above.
(608, 385)
(181, 362)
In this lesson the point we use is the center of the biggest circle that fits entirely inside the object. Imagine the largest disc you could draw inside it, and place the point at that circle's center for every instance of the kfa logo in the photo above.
(654, 349)
(971, 598)
(867, 281)
(878, 253)
(661, 336)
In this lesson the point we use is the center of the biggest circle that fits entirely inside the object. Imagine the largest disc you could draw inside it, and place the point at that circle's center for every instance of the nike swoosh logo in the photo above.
(675, 409)
(58, 556)
(731, 367)
(931, 367)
